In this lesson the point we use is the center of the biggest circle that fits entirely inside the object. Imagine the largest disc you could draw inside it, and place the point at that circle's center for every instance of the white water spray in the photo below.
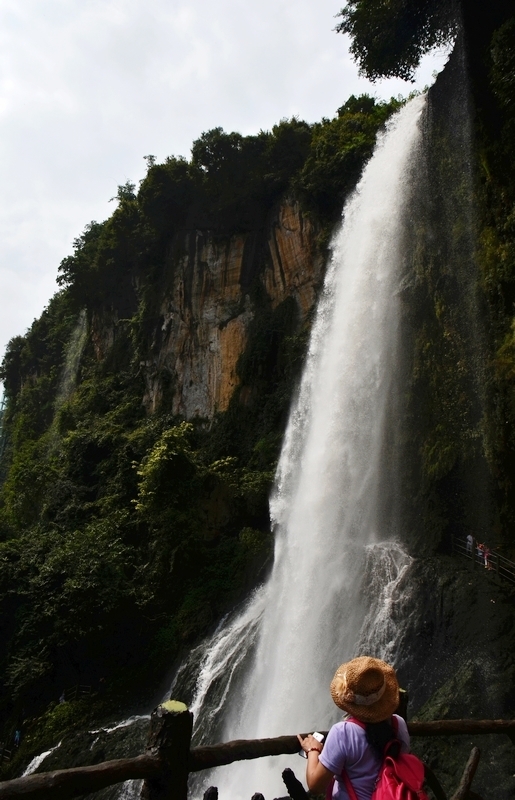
(334, 491)
(37, 761)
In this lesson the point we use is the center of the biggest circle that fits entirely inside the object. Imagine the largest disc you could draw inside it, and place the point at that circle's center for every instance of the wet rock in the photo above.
(454, 653)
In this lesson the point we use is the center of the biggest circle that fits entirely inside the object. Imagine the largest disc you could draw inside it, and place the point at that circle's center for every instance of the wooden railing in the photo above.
(74, 692)
(168, 760)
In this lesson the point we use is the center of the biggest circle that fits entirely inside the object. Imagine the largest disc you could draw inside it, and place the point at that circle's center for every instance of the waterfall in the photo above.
(74, 352)
(2, 432)
(37, 761)
(337, 569)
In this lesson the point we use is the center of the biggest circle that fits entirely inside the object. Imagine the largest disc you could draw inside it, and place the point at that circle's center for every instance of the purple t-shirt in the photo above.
(346, 746)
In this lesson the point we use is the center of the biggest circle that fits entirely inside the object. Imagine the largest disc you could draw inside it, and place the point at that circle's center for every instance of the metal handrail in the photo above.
(498, 563)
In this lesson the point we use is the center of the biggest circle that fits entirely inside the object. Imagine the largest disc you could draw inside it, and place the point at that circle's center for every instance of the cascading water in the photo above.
(2, 433)
(336, 586)
(74, 352)
(266, 672)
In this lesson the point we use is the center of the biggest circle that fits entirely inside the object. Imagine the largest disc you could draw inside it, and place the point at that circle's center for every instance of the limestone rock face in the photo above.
(103, 332)
(205, 314)
(294, 270)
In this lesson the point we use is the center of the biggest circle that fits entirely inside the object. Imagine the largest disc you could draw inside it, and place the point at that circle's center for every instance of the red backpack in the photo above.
(399, 778)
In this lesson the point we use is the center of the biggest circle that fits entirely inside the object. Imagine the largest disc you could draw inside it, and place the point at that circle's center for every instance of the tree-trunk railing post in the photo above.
(169, 740)
(463, 789)
(402, 708)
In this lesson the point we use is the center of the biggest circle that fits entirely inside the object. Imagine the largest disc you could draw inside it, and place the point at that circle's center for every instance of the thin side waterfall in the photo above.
(266, 672)
(2, 433)
(74, 352)
(70, 370)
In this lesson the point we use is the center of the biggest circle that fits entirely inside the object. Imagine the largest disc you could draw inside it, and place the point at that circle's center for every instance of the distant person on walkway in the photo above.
(17, 738)
(470, 543)
(486, 554)
(480, 549)
(367, 689)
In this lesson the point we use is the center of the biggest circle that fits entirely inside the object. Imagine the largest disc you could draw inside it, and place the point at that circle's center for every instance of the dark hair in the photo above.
(378, 735)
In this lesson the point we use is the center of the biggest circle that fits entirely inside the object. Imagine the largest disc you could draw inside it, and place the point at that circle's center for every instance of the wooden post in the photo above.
(466, 779)
(169, 741)
(294, 787)
(402, 708)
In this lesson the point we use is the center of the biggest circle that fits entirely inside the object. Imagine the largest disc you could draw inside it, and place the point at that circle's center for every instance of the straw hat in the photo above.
(366, 688)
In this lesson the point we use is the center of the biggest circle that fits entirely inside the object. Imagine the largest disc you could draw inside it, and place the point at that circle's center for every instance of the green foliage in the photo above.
(389, 39)
(24, 490)
(125, 193)
(339, 149)
(78, 270)
(166, 195)
(503, 63)
(229, 183)
(66, 587)
(106, 256)
(166, 469)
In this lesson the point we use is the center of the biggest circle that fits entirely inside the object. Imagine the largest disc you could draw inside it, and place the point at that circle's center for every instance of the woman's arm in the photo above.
(317, 776)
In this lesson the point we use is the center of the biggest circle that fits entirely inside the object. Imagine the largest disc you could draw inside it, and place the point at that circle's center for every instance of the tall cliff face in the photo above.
(205, 313)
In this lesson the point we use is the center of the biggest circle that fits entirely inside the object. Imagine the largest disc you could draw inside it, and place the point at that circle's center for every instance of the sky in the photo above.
(90, 87)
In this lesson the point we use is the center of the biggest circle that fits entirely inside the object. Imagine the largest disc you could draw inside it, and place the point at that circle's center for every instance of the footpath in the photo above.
(497, 563)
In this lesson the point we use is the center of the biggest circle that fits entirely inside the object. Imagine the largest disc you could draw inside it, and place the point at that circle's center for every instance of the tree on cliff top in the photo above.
(389, 37)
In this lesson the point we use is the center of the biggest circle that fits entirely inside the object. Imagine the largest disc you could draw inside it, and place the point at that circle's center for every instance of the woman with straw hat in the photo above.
(367, 689)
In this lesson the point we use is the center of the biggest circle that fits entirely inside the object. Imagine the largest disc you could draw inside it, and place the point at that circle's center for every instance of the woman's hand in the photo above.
(318, 777)
(309, 742)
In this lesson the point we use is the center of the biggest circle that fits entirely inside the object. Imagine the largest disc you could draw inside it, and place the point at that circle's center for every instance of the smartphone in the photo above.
(316, 735)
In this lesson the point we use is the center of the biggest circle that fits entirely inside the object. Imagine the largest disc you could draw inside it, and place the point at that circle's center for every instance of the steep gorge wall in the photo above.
(456, 316)
(206, 310)
(456, 632)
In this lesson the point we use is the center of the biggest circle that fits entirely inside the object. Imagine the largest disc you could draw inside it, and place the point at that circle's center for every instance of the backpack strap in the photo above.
(348, 785)
(356, 721)
(347, 781)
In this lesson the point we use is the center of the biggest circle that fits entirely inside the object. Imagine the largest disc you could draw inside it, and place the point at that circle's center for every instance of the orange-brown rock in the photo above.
(292, 245)
(205, 315)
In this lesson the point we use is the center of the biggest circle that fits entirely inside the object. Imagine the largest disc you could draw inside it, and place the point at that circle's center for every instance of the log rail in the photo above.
(168, 760)
(218, 755)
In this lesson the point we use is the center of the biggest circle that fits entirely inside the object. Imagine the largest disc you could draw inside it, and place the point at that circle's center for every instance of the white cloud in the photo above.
(88, 87)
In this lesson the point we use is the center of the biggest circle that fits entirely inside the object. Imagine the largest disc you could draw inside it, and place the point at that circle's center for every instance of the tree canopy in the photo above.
(389, 37)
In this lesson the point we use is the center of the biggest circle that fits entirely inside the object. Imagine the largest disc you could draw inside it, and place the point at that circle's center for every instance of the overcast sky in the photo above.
(89, 87)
